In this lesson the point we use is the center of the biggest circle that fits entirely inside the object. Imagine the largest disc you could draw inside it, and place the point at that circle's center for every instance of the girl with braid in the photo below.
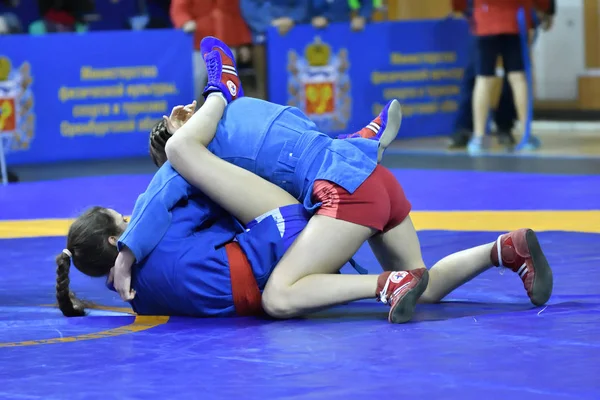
(351, 198)
(205, 262)
(347, 196)
(90, 237)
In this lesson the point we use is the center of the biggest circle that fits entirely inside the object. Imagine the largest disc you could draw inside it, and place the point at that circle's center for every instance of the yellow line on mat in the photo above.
(141, 323)
(493, 221)
(34, 228)
(497, 221)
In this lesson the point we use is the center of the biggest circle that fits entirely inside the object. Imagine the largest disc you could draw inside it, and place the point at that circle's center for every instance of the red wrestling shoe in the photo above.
(401, 290)
(221, 69)
(384, 128)
(521, 252)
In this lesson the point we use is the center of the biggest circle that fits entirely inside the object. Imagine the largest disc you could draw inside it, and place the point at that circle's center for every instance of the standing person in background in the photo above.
(324, 12)
(505, 114)
(497, 34)
(262, 14)
(221, 18)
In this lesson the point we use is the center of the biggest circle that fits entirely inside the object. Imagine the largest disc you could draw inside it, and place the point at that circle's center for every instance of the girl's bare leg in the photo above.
(202, 126)
(303, 282)
(399, 250)
(240, 192)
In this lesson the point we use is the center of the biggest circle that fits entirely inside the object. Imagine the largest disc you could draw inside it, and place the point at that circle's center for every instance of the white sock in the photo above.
(218, 94)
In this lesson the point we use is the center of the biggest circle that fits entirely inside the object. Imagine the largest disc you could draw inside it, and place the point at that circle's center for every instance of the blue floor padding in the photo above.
(426, 189)
(487, 340)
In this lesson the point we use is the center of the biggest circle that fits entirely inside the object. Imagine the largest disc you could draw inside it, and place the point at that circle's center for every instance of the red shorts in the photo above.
(378, 203)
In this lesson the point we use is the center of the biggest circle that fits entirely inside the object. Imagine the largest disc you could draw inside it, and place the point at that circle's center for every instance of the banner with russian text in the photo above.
(342, 79)
(90, 96)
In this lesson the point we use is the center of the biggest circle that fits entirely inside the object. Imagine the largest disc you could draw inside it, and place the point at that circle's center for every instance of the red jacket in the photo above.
(495, 17)
(219, 18)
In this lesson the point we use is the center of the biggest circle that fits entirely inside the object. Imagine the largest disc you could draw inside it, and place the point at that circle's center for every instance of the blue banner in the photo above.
(90, 96)
(342, 79)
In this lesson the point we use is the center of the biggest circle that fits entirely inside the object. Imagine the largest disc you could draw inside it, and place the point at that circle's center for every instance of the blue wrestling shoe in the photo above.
(221, 69)
(384, 128)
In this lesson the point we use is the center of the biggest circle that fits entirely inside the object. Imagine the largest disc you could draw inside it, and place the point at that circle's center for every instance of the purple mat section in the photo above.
(427, 189)
(471, 190)
(69, 197)
(485, 342)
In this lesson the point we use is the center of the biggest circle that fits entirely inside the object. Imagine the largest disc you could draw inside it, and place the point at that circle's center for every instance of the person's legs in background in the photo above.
(464, 121)
(505, 116)
(515, 70)
(487, 55)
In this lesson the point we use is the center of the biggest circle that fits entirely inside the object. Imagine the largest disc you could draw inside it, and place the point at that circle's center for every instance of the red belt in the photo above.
(246, 294)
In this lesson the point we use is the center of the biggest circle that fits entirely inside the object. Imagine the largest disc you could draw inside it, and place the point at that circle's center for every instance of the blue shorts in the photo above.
(290, 220)
(247, 280)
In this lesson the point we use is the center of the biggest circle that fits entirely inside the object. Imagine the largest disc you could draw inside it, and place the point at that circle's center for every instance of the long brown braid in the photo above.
(67, 301)
(93, 255)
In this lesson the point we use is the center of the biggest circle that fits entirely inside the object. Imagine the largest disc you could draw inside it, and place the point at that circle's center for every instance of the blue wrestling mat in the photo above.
(486, 341)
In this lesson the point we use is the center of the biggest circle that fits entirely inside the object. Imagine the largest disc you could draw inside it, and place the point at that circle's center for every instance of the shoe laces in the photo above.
(212, 64)
(499, 250)
(383, 295)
